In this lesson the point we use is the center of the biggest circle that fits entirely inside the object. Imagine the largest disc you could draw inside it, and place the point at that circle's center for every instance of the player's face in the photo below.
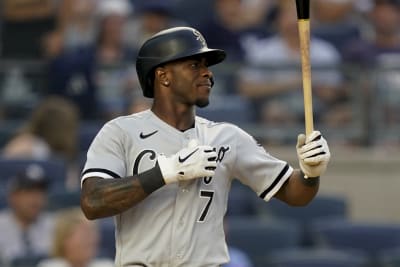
(191, 81)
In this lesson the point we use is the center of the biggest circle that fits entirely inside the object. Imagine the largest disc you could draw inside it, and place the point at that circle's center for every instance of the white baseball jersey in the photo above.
(180, 224)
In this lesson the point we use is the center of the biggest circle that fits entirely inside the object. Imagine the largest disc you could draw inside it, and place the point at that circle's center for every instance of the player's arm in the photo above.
(298, 191)
(301, 187)
(107, 197)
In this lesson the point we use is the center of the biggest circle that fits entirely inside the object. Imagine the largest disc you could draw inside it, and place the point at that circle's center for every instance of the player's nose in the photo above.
(208, 75)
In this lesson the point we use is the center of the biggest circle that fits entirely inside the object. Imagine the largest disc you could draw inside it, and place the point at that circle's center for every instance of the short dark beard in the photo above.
(201, 103)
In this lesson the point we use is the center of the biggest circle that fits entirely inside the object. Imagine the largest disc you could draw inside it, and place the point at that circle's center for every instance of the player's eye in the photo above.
(195, 65)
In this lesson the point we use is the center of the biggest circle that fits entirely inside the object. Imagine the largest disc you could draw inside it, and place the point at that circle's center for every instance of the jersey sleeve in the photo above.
(105, 157)
(256, 168)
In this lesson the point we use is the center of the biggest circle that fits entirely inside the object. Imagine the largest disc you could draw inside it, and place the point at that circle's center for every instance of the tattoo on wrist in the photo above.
(309, 181)
(151, 180)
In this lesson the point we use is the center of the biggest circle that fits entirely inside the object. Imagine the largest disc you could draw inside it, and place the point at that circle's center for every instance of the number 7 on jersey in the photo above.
(209, 195)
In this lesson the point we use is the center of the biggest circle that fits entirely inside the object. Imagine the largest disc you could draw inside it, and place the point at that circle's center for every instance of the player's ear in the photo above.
(161, 76)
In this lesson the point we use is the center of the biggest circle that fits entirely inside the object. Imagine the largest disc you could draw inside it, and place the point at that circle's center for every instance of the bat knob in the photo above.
(303, 9)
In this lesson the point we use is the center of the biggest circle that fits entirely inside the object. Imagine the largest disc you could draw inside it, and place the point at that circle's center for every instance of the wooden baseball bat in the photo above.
(303, 19)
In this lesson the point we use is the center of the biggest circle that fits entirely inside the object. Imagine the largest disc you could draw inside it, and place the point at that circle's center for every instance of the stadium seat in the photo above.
(27, 261)
(107, 238)
(367, 237)
(241, 200)
(322, 207)
(256, 236)
(389, 257)
(62, 199)
(301, 257)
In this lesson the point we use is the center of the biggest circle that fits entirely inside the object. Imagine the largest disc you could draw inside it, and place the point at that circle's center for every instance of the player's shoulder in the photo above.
(228, 130)
(123, 125)
(220, 125)
(6, 219)
(129, 120)
(5, 213)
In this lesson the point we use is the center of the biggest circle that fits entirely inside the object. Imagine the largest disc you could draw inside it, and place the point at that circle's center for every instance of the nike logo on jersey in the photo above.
(188, 156)
(144, 136)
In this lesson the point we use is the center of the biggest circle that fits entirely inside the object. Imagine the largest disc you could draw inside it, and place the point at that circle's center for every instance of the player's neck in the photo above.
(180, 118)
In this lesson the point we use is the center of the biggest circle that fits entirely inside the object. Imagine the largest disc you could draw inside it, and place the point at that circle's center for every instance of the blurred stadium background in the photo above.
(62, 47)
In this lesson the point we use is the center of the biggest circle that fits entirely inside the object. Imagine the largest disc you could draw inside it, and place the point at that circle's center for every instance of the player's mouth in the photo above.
(204, 86)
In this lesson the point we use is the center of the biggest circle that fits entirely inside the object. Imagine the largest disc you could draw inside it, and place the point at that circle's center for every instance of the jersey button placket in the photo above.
(184, 190)
(180, 221)
(189, 135)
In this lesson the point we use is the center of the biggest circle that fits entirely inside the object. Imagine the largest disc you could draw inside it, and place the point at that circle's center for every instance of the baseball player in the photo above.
(165, 173)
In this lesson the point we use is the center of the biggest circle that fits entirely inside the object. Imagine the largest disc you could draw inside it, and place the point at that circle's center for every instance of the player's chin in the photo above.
(203, 95)
(202, 102)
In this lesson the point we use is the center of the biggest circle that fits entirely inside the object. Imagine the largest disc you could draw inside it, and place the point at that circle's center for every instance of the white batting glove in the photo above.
(313, 154)
(190, 162)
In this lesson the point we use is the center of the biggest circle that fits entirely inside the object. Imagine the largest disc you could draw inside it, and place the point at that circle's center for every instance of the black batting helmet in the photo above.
(169, 45)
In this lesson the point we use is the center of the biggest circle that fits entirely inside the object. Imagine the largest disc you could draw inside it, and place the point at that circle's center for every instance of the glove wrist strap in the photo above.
(151, 180)
(309, 181)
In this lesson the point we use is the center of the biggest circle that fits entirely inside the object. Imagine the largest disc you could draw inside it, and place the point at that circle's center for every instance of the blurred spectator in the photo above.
(68, 77)
(257, 13)
(76, 27)
(228, 29)
(76, 22)
(382, 49)
(384, 38)
(75, 242)
(336, 21)
(272, 77)
(25, 228)
(18, 92)
(151, 16)
(51, 131)
(115, 73)
(26, 21)
(53, 44)
(99, 78)
(363, 6)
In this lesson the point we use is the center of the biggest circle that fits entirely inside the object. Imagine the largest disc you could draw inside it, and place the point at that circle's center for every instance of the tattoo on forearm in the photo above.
(108, 197)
